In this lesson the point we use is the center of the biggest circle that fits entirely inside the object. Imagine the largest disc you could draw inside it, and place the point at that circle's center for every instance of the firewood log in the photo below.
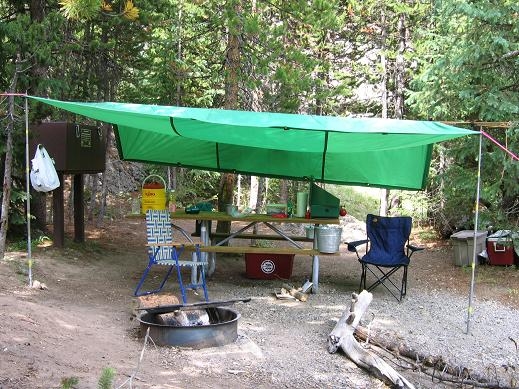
(295, 292)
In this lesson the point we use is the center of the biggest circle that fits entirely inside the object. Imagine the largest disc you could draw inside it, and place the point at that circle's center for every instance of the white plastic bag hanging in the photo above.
(43, 174)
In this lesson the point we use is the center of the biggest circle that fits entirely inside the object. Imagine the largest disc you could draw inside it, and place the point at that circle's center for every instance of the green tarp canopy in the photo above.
(340, 150)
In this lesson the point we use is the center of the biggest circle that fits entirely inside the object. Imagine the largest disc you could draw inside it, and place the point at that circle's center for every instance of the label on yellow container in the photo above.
(153, 193)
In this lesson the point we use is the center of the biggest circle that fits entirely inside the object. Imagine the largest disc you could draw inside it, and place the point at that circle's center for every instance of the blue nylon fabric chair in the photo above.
(387, 251)
(162, 251)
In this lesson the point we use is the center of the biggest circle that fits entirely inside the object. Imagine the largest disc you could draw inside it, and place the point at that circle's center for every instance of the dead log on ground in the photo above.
(342, 337)
(436, 366)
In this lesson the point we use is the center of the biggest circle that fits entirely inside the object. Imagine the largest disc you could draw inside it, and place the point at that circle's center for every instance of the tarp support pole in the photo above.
(28, 194)
(470, 309)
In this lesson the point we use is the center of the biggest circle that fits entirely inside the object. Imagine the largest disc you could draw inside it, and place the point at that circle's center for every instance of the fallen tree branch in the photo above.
(342, 337)
(424, 363)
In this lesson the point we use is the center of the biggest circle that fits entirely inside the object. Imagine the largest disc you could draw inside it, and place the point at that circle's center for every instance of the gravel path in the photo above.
(282, 344)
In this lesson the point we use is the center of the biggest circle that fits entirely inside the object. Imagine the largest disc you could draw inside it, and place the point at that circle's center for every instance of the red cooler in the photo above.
(500, 248)
(269, 266)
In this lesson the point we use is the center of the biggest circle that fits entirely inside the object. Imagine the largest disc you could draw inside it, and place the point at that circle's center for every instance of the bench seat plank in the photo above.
(258, 250)
(262, 237)
(249, 249)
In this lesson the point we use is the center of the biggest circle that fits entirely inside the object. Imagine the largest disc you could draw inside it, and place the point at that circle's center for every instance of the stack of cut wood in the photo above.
(288, 292)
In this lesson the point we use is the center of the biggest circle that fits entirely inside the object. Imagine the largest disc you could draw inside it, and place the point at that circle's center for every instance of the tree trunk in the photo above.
(384, 202)
(38, 72)
(260, 199)
(253, 197)
(105, 175)
(94, 186)
(283, 191)
(8, 167)
(227, 183)
(107, 86)
(384, 193)
(400, 68)
(232, 68)
(342, 337)
(239, 194)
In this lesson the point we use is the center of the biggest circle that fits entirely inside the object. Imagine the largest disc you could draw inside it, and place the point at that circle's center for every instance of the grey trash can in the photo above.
(463, 244)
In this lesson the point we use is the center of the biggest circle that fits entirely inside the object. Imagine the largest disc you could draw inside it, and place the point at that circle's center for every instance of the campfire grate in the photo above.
(221, 330)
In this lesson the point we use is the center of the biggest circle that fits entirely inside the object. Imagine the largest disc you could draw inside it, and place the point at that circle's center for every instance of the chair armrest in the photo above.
(172, 244)
(352, 246)
(414, 249)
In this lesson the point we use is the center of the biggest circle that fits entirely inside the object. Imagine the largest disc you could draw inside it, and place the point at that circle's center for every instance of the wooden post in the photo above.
(58, 211)
(79, 209)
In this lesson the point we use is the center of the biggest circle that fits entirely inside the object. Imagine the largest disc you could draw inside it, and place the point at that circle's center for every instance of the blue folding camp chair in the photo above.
(387, 251)
(162, 251)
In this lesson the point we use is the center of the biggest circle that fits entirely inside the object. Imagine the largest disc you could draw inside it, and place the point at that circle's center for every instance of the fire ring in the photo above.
(221, 330)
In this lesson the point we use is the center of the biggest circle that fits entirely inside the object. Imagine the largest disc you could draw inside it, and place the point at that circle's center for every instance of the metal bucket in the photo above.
(328, 239)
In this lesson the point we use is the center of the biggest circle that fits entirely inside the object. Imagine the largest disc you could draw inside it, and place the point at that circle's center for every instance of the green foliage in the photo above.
(357, 201)
(21, 244)
(106, 379)
(193, 186)
(17, 215)
(452, 187)
(80, 9)
(69, 382)
(428, 235)
(468, 59)
(296, 56)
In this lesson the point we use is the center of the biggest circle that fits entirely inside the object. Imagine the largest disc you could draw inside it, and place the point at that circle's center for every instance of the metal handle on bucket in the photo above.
(154, 175)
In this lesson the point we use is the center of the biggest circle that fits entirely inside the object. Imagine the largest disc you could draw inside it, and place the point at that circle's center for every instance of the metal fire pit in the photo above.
(221, 330)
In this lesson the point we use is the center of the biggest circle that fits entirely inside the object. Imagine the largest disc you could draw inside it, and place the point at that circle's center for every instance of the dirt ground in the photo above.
(84, 322)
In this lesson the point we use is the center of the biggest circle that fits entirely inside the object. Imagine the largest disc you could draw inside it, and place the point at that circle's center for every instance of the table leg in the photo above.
(204, 239)
(210, 258)
(315, 268)
(315, 274)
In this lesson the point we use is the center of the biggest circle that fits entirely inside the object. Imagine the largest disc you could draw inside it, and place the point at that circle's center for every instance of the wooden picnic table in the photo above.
(211, 246)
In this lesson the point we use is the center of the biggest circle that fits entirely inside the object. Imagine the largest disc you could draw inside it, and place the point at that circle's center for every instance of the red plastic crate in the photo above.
(269, 266)
(500, 249)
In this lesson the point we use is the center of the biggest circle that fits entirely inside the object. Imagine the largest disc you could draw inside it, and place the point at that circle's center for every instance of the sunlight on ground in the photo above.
(66, 325)
(15, 255)
(45, 243)
(332, 307)
(317, 322)
(203, 360)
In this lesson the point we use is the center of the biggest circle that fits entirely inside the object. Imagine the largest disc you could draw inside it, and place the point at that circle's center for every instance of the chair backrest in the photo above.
(387, 239)
(158, 230)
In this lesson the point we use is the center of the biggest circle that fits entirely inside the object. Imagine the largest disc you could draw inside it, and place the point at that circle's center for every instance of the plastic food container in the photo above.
(272, 209)
(229, 208)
